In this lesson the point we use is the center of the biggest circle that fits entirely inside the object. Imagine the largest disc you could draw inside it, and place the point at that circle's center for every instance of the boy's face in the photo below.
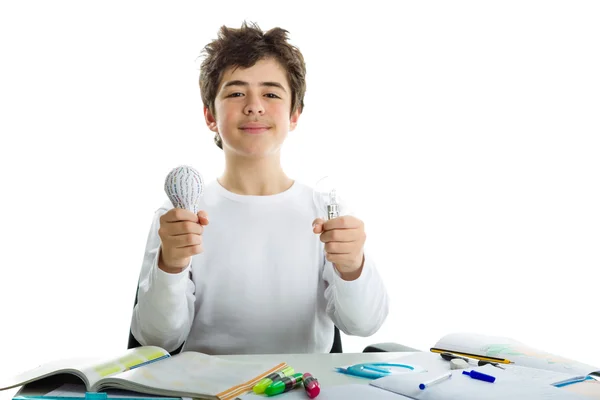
(252, 109)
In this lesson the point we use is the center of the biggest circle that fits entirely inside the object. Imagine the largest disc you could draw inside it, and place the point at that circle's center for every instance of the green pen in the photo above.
(284, 384)
(274, 377)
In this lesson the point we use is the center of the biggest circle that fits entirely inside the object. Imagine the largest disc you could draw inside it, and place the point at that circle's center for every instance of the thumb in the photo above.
(202, 217)
(318, 225)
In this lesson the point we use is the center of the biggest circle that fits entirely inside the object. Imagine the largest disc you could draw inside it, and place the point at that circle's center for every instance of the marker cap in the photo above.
(480, 376)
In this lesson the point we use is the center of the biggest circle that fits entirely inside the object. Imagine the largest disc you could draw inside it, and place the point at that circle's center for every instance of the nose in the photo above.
(253, 105)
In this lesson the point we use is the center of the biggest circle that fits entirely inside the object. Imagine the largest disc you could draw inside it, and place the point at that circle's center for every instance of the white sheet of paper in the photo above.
(434, 363)
(526, 385)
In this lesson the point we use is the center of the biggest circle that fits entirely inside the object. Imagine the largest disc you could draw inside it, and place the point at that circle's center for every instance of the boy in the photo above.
(258, 278)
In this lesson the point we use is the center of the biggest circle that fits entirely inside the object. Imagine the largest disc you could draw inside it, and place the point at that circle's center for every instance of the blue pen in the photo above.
(439, 379)
(480, 376)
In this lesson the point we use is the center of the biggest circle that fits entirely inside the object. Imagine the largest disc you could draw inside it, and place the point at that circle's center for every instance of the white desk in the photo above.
(321, 366)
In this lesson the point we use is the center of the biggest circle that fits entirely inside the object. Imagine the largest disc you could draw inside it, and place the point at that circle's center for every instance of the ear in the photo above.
(211, 121)
(294, 119)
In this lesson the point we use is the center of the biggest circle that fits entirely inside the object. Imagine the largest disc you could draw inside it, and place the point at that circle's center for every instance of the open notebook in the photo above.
(528, 373)
(513, 350)
(151, 370)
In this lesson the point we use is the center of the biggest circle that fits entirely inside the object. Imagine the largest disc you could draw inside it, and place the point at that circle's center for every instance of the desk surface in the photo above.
(321, 366)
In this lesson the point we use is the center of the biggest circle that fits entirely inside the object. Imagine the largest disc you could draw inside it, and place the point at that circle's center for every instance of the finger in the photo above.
(203, 217)
(180, 228)
(188, 251)
(187, 227)
(341, 235)
(340, 247)
(182, 241)
(179, 214)
(344, 222)
(340, 259)
(318, 225)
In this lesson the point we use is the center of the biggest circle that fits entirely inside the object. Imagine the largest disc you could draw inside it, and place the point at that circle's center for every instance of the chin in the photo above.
(253, 148)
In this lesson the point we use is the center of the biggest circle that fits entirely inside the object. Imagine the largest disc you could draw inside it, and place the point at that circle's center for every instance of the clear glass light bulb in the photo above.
(326, 198)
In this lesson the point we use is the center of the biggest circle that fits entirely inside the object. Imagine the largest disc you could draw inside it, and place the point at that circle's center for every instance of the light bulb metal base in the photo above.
(333, 211)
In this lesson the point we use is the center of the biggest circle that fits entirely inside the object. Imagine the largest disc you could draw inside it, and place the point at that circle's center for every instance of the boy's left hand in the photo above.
(344, 238)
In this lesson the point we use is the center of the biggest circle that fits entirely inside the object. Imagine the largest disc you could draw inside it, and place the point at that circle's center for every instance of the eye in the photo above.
(235, 94)
(272, 96)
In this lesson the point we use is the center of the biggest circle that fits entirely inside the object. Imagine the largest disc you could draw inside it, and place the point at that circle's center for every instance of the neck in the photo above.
(257, 177)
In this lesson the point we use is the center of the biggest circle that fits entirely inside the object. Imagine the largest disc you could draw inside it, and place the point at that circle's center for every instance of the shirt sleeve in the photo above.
(164, 311)
(358, 307)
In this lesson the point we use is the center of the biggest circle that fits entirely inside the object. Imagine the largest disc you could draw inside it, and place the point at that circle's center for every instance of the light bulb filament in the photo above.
(332, 197)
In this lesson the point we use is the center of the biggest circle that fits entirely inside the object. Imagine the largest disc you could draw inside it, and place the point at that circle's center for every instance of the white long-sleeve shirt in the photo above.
(261, 285)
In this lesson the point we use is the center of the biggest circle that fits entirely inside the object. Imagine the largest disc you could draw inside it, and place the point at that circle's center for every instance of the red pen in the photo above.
(311, 385)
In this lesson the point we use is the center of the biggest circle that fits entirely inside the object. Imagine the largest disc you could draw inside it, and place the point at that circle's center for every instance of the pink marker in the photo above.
(311, 385)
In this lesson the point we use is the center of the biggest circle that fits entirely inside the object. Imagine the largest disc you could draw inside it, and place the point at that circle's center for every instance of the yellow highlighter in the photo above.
(264, 383)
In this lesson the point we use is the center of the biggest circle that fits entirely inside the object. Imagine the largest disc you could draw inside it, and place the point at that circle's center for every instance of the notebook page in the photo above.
(517, 352)
(191, 374)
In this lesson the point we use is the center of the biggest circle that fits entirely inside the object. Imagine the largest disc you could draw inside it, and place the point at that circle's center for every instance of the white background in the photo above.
(465, 134)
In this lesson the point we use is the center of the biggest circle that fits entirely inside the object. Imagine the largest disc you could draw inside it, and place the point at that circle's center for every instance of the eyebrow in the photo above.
(243, 83)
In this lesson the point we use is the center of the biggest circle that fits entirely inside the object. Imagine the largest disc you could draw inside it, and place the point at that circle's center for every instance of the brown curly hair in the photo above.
(243, 47)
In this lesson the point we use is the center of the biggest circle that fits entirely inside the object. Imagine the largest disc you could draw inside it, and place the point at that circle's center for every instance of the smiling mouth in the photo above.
(255, 129)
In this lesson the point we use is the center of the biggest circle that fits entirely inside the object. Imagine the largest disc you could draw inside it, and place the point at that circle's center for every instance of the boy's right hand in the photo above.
(181, 237)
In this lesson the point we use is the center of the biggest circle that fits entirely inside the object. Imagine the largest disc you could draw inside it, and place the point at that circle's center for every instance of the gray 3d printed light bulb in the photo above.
(184, 187)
